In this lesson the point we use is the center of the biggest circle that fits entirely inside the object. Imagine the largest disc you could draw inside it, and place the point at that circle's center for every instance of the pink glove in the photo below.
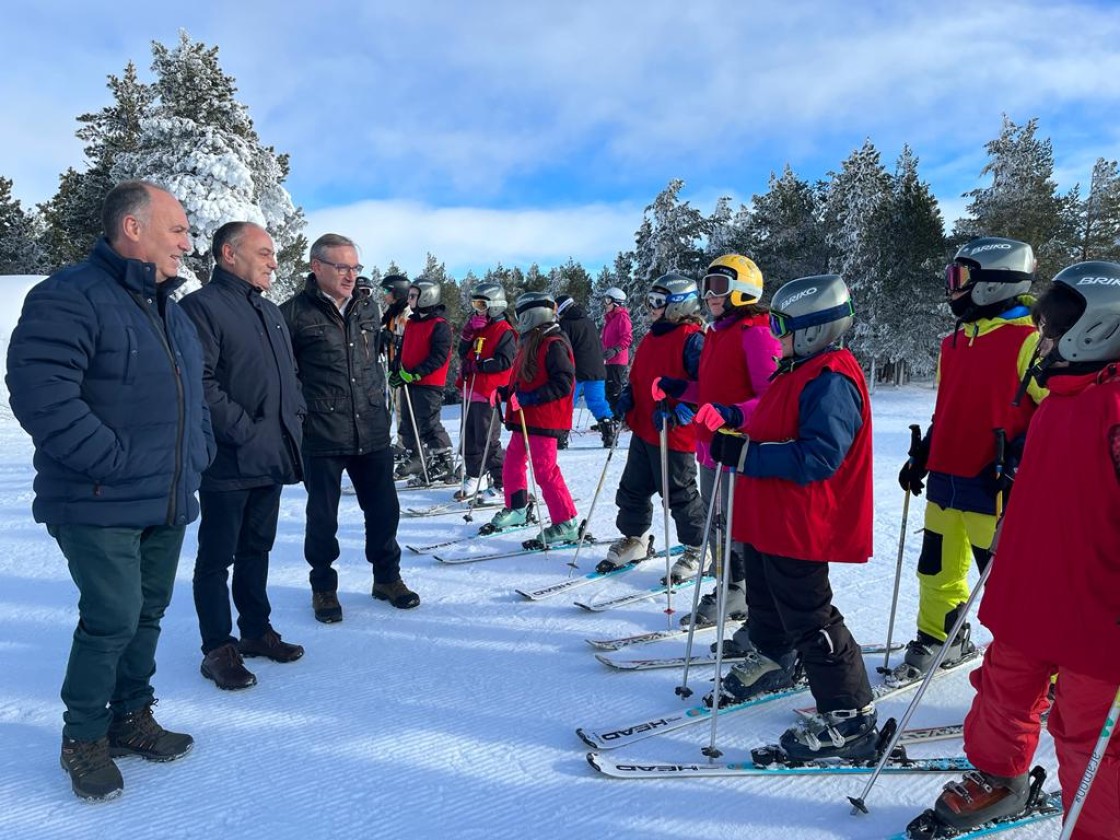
(514, 404)
(709, 417)
(658, 394)
(495, 398)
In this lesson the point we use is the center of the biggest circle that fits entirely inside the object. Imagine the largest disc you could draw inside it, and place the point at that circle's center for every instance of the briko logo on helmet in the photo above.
(992, 246)
(1099, 281)
(805, 293)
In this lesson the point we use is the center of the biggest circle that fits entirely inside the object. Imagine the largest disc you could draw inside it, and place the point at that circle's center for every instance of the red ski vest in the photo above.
(660, 355)
(1054, 588)
(829, 520)
(979, 378)
(485, 384)
(416, 347)
(724, 377)
(554, 415)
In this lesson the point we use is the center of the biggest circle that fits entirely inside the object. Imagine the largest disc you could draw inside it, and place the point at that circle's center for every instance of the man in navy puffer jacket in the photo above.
(105, 374)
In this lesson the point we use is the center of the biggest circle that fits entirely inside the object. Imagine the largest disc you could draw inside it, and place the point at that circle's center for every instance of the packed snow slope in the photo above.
(456, 719)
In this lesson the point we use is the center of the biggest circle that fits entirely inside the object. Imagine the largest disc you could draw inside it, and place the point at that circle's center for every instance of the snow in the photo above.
(456, 719)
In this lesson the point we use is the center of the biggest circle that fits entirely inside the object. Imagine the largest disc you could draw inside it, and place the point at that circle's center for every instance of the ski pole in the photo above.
(532, 473)
(858, 802)
(494, 412)
(915, 444)
(683, 690)
(461, 455)
(663, 441)
(1091, 768)
(416, 434)
(582, 409)
(574, 564)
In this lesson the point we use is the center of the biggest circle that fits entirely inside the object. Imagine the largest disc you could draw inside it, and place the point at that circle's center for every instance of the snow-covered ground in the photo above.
(456, 719)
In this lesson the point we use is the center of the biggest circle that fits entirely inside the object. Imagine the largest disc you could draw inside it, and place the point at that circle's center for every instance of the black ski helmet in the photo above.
(395, 285)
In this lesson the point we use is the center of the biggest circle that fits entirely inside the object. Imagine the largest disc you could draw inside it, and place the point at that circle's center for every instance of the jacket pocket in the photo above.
(131, 354)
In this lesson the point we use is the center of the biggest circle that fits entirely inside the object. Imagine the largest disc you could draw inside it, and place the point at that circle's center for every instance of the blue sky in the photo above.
(521, 132)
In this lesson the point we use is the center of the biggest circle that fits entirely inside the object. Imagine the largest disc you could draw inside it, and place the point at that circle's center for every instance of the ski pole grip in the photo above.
(915, 441)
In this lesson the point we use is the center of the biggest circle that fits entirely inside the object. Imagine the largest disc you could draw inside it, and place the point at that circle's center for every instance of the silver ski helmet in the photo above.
(817, 310)
(534, 309)
(993, 267)
(428, 293)
(492, 295)
(1095, 335)
(677, 293)
(616, 295)
(396, 286)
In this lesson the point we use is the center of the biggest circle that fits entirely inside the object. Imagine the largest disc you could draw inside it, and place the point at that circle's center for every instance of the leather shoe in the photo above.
(397, 594)
(270, 646)
(226, 668)
(326, 606)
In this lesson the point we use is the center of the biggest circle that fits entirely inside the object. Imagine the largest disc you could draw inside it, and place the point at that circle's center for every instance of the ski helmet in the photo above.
(492, 295)
(534, 309)
(1095, 335)
(677, 293)
(428, 293)
(363, 286)
(396, 286)
(616, 295)
(817, 310)
(563, 302)
(736, 277)
(994, 268)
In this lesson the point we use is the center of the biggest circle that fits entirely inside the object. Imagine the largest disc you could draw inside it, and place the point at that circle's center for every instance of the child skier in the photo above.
(809, 458)
(487, 346)
(739, 358)
(539, 400)
(979, 370)
(670, 350)
(616, 337)
(422, 371)
(1052, 600)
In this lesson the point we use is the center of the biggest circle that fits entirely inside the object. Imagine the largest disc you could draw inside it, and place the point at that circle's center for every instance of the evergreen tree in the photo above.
(1098, 216)
(574, 280)
(670, 236)
(1022, 201)
(21, 251)
(785, 232)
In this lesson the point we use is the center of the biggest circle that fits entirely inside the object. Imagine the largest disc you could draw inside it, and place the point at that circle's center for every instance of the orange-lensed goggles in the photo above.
(958, 277)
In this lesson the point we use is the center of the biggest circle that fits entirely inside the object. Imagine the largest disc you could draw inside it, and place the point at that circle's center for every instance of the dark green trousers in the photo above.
(124, 578)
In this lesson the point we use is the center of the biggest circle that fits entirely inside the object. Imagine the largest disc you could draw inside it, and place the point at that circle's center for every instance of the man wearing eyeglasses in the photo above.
(335, 336)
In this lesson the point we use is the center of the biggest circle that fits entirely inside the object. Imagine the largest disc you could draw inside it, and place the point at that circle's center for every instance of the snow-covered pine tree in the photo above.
(198, 140)
(1098, 216)
(1022, 201)
(855, 204)
(670, 237)
(21, 249)
(785, 232)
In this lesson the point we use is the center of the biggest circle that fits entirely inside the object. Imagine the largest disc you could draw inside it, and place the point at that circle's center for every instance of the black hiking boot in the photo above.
(397, 594)
(93, 774)
(138, 733)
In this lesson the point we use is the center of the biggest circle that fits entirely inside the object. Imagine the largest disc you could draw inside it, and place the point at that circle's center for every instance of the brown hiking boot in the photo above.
(270, 646)
(326, 606)
(397, 594)
(226, 668)
(93, 774)
(138, 733)
(980, 797)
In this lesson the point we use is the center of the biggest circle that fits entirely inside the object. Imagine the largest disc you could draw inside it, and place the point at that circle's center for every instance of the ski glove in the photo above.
(678, 415)
(730, 449)
(468, 366)
(528, 397)
(910, 477)
(402, 377)
(624, 403)
(667, 386)
(714, 416)
(610, 353)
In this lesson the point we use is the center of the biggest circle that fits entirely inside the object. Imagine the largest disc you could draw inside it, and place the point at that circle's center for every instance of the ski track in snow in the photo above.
(455, 719)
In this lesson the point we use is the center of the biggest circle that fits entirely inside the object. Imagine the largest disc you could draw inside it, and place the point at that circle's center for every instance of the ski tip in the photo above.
(593, 760)
(583, 736)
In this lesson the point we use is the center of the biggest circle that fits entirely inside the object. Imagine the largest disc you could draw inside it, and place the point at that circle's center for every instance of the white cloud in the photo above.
(478, 238)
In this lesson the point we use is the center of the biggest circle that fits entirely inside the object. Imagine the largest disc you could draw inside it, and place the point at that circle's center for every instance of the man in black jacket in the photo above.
(257, 411)
(591, 371)
(335, 329)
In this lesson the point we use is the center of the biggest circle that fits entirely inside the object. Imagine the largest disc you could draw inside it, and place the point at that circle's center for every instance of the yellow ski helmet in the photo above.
(735, 276)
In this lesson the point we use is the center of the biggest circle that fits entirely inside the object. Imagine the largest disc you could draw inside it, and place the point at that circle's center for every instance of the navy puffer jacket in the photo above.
(105, 374)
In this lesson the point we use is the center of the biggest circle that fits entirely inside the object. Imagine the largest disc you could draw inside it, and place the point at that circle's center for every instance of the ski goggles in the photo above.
(716, 285)
(479, 305)
(659, 300)
(958, 277)
(782, 324)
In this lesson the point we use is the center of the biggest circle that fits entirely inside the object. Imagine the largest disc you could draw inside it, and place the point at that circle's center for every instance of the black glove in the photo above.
(624, 403)
(910, 477)
(730, 449)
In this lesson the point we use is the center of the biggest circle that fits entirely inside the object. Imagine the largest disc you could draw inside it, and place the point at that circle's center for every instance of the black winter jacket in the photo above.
(343, 381)
(249, 376)
(586, 347)
(105, 374)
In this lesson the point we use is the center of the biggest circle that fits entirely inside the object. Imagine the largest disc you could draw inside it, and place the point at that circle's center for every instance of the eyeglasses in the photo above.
(957, 277)
(342, 268)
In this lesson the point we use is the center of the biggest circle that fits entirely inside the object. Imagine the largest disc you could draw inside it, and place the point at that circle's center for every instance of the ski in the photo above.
(637, 597)
(705, 658)
(501, 555)
(609, 739)
(885, 691)
(610, 766)
(1042, 805)
(567, 584)
(647, 638)
(449, 509)
(428, 549)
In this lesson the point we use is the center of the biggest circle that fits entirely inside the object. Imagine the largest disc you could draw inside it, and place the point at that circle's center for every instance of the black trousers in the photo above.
(641, 478)
(477, 428)
(427, 402)
(791, 608)
(616, 381)
(372, 477)
(237, 529)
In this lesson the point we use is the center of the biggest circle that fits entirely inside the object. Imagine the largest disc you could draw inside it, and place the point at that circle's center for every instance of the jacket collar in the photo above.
(136, 276)
(232, 281)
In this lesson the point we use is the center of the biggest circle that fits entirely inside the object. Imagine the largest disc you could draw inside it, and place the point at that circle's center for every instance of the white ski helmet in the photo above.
(994, 268)
(534, 309)
(678, 294)
(615, 294)
(1095, 335)
(817, 310)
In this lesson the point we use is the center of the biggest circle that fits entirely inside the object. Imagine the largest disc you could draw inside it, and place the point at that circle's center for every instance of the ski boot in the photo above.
(625, 551)
(755, 675)
(508, 518)
(921, 652)
(980, 797)
(849, 734)
(441, 466)
(608, 431)
(706, 612)
(562, 441)
(563, 532)
(739, 645)
(472, 486)
(688, 566)
(409, 467)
